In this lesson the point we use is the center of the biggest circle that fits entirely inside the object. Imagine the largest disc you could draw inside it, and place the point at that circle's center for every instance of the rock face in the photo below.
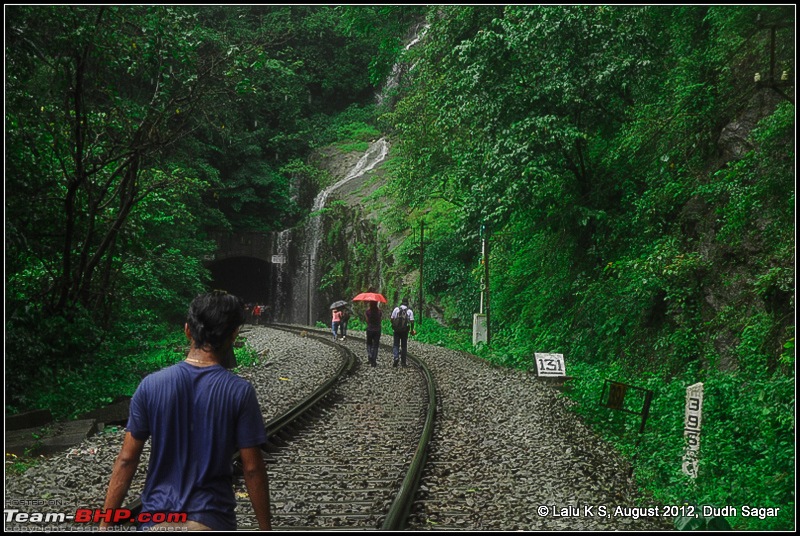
(335, 161)
(734, 140)
(354, 251)
(338, 164)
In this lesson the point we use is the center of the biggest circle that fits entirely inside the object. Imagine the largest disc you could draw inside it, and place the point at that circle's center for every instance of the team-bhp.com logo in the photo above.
(94, 515)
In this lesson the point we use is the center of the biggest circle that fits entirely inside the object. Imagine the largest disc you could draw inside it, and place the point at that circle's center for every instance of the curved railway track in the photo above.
(348, 444)
(351, 454)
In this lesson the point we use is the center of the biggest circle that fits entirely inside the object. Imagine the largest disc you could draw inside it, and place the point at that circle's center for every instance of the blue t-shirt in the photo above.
(197, 419)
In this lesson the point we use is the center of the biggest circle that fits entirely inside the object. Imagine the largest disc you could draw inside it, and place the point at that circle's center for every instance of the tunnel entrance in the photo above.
(249, 278)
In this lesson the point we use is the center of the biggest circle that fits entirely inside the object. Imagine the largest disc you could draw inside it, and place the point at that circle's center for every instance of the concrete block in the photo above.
(116, 413)
(29, 419)
(49, 439)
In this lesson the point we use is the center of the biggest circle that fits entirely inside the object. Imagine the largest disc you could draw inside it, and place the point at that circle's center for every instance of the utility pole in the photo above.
(480, 321)
(309, 289)
(421, 262)
(486, 281)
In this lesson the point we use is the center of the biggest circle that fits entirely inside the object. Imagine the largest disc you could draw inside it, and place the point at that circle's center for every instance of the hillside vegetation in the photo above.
(636, 189)
(631, 170)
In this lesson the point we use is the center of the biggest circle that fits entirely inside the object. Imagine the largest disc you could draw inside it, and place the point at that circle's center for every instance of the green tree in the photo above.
(590, 129)
(132, 131)
(98, 97)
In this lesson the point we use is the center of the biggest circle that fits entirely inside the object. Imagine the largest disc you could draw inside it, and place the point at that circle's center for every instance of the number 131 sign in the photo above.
(550, 365)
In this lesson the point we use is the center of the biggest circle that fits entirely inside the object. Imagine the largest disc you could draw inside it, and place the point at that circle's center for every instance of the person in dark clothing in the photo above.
(374, 316)
(197, 415)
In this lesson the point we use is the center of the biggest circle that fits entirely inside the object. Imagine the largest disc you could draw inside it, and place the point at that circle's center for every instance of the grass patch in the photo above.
(17, 465)
(353, 147)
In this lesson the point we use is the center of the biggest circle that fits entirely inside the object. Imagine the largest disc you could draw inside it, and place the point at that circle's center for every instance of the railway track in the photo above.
(351, 454)
(504, 447)
(354, 460)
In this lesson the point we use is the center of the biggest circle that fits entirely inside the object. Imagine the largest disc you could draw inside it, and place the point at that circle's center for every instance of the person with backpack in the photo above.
(402, 324)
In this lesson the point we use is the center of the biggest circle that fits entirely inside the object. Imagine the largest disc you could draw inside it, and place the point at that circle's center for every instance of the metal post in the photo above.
(488, 286)
(483, 261)
(421, 261)
(309, 289)
(772, 55)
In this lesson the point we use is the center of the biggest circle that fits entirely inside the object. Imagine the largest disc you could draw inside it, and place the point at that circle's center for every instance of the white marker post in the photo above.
(550, 365)
(479, 329)
(693, 421)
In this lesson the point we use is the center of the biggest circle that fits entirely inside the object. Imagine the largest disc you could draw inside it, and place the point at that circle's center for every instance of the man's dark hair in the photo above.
(405, 301)
(213, 317)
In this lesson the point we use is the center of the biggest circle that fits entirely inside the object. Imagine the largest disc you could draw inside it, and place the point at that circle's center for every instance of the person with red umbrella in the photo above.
(374, 316)
(370, 295)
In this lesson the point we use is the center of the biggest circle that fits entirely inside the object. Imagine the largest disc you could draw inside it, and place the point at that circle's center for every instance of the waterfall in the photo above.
(397, 69)
(376, 153)
(300, 272)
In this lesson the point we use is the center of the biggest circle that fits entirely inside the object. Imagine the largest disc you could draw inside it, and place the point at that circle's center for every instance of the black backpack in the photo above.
(400, 322)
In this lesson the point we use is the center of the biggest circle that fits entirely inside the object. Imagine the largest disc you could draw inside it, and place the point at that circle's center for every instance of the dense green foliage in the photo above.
(635, 188)
(599, 178)
(638, 192)
(133, 131)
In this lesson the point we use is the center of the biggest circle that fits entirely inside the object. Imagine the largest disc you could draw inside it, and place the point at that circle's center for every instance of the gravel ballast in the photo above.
(507, 453)
(291, 367)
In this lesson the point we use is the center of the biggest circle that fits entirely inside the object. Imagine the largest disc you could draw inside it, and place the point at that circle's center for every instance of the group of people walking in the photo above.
(402, 320)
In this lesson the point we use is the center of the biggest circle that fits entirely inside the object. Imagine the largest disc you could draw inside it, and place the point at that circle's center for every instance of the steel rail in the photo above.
(398, 512)
(276, 425)
(397, 515)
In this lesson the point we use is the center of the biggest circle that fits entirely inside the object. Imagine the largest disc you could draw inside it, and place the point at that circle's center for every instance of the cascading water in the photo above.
(397, 69)
(376, 153)
(304, 283)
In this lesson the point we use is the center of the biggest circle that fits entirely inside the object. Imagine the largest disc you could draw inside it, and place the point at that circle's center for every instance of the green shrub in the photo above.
(746, 445)
(747, 453)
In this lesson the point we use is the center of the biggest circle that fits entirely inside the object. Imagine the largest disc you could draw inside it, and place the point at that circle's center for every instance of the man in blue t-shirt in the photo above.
(197, 415)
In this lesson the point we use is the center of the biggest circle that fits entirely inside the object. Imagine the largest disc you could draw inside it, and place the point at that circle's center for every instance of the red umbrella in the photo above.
(370, 296)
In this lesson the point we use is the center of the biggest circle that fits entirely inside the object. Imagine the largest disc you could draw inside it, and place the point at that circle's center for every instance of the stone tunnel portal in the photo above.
(249, 278)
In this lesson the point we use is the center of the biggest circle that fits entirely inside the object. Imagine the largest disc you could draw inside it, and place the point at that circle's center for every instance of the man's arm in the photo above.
(122, 474)
(255, 478)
